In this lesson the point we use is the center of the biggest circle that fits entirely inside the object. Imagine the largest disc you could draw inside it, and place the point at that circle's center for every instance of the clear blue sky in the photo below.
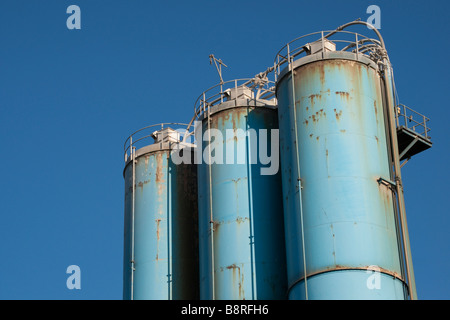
(69, 98)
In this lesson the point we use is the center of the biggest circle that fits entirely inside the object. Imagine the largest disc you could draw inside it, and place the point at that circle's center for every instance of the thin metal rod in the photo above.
(405, 162)
(250, 191)
(299, 184)
(169, 230)
(359, 22)
(408, 147)
(132, 262)
(211, 217)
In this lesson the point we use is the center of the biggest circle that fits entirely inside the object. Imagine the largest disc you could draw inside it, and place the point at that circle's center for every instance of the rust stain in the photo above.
(342, 130)
(216, 225)
(317, 138)
(311, 135)
(241, 219)
(146, 161)
(236, 271)
(314, 118)
(314, 96)
(158, 222)
(385, 194)
(343, 94)
(338, 114)
(322, 72)
(376, 111)
(159, 168)
(305, 122)
(338, 267)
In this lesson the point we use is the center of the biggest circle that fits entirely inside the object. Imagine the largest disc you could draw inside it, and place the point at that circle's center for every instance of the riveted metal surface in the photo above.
(247, 249)
(165, 229)
(348, 217)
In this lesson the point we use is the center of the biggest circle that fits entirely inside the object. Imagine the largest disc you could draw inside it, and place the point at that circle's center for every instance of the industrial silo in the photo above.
(241, 233)
(161, 218)
(346, 234)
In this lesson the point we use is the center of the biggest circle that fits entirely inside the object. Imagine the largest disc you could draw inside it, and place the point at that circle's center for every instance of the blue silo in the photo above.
(343, 232)
(161, 217)
(241, 233)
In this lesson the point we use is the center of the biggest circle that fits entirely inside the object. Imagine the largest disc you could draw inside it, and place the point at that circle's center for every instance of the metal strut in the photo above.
(132, 262)
(251, 214)
(211, 220)
(299, 181)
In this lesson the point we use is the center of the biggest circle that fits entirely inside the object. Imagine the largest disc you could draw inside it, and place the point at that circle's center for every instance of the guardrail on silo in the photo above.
(141, 137)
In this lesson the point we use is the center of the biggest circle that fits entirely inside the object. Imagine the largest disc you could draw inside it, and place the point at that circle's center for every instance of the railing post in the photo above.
(425, 126)
(323, 46)
(131, 145)
(406, 117)
(275, 70)
(204, 102)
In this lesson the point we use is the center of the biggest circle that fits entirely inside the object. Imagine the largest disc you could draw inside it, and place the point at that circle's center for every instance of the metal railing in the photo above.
(410, 119)
(141, 137)
(343, 40)
(259, 86)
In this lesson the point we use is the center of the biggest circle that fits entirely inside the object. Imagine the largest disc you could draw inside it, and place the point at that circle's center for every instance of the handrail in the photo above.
(406, 115)
(147, 132)
(260, 86)
(344, 41)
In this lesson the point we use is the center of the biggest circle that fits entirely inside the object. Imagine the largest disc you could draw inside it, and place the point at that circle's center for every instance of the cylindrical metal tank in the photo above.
(161, 219)
(340, 223)
(241, 232)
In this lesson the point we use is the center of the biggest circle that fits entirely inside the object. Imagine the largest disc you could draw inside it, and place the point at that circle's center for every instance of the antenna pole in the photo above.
(218, 63)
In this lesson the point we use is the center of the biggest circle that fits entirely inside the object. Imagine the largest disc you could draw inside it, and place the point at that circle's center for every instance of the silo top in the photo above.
(255, 92)
(166, 136)
(325, 45)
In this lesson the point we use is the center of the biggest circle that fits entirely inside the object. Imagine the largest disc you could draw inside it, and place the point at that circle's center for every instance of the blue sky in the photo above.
(69, 98)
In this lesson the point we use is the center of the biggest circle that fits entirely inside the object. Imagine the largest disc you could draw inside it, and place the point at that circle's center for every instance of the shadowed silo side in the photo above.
(241, 233)
(161, 222)
(339, 205)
